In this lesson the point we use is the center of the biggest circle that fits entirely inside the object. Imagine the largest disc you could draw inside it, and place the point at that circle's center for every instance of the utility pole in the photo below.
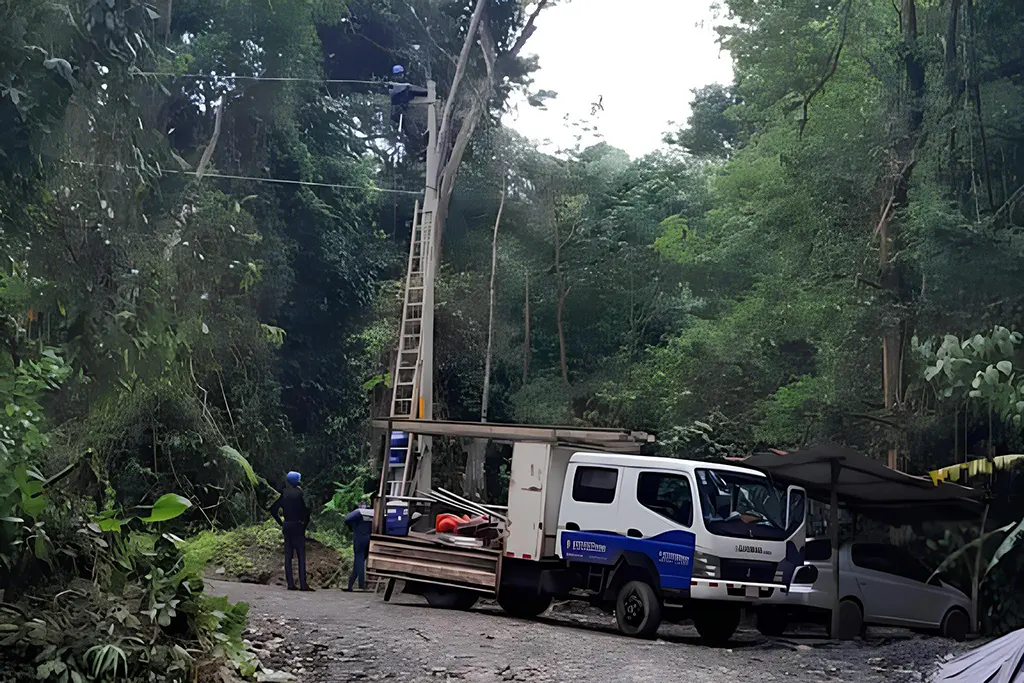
(423, 469)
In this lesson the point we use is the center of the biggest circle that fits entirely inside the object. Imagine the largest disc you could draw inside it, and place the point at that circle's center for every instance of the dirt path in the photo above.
(331, 636)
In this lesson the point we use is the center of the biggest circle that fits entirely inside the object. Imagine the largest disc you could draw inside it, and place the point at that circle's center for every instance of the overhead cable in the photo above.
(279, 181)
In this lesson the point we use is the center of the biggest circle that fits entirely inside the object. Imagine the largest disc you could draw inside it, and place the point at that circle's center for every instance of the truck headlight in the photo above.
(706, 566)
(806, 575)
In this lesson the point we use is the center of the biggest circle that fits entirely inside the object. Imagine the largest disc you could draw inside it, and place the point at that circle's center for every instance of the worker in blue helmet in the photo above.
(360, 521)
(292, 505)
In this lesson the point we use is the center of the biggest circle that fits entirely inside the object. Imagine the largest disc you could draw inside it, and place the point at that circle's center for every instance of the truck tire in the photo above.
(851, 621)
(450, 598)
(523, 605)
(638, 610)
(717, 623)
(772, 621)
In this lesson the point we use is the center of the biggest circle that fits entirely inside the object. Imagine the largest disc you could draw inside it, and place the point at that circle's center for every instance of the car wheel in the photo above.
(443, 598)
(638, 610)
(851, 621)
(956, 625)
(523, 605)
(772, 621)
(717, 623)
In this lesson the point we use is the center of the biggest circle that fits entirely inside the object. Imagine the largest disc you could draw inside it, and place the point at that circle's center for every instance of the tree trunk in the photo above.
(563, 293)
(485, 401)
(474, 485)
(526, 331)
(165, 21)
(560, 305)
(891, 278)
(972, 70)
(474, 482)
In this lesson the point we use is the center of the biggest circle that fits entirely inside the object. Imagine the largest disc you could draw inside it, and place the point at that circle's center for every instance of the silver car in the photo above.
(879, 584)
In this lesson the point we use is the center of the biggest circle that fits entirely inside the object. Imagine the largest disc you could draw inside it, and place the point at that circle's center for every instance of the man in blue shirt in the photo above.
(292, 504)
(360, 521)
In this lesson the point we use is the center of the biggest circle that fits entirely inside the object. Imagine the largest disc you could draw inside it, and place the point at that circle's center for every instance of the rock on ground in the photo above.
(331, 637)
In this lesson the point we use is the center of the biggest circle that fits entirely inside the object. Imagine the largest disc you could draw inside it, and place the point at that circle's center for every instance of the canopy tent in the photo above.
(867, 487)
(842, 477)
(997, 662)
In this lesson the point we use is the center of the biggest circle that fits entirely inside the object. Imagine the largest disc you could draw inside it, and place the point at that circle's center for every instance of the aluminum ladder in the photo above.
(406, 401)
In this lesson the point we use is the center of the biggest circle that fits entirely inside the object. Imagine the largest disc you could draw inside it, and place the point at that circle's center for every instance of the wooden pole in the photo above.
(833, 524)
(976, 574)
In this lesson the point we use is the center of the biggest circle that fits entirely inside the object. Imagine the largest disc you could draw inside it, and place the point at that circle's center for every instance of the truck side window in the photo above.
(669, 495)
(594, 485)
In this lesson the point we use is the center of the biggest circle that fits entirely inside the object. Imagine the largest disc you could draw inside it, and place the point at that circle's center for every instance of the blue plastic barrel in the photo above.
(396, 521)
(399, 446)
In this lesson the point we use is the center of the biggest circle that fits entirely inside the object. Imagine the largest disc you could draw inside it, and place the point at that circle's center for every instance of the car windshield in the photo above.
(741, 505)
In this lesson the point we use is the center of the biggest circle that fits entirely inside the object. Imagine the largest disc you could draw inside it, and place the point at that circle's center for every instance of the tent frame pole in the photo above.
(833, 524)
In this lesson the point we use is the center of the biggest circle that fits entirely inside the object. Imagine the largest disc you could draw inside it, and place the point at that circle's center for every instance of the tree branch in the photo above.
(1007, 207)
(460, 73)
(833, 65)
(528, 30)
(208, 153)
(490, 55)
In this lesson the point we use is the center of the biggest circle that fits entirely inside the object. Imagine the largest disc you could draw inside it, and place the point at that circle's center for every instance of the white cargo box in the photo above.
(534, 493)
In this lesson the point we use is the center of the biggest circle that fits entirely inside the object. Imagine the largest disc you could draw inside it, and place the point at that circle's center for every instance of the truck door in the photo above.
(658, 502)
(656, 513)
(796, 532)
(590, 501)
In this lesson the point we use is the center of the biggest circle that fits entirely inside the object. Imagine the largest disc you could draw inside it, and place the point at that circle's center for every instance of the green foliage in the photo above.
(239, 551)
(348, 496)
(791, 411)
(981, 368)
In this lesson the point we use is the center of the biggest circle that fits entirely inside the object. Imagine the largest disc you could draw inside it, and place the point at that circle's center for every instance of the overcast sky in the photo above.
(642, 56)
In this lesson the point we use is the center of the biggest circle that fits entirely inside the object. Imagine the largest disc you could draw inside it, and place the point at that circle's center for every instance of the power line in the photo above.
(278, 79)
(279, 181)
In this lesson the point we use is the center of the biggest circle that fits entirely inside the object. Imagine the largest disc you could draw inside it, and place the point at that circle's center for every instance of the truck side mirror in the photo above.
(796, 507)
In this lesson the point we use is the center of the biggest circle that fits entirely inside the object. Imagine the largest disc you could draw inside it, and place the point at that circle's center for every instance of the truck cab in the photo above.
(706, 538)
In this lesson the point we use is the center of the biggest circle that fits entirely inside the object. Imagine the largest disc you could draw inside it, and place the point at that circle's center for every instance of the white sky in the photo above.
(642, 56)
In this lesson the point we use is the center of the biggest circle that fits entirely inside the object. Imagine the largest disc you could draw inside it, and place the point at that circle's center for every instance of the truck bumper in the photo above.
(707, 589)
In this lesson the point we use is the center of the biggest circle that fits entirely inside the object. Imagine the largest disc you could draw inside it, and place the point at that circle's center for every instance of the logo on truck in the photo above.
(673, 558)
(752, 549)
(585, 546)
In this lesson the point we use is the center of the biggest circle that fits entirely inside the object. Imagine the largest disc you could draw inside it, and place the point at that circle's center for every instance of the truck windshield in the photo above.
(741, 505)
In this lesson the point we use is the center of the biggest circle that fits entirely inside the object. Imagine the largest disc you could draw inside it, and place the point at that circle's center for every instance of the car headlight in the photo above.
(706, 566)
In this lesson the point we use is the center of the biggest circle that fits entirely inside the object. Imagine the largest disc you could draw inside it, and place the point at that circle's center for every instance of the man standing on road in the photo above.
(360, 521)
(292, 504)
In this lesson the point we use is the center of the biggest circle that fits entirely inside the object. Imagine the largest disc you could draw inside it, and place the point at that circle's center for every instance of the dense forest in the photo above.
(206, 206)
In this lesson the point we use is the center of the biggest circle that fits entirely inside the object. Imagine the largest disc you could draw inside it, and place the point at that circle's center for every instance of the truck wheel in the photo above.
(851, 621)
(638, 610)
(450, 598)
(717, 623)
(523, 605)
(772, 621)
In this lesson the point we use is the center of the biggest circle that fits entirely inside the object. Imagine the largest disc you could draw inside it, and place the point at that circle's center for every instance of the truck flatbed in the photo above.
(418, 557)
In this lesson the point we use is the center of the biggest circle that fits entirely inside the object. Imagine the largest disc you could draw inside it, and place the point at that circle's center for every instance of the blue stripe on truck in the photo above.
(670, 552)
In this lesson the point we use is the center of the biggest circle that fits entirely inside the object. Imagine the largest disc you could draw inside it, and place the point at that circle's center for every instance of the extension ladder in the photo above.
(406, 401)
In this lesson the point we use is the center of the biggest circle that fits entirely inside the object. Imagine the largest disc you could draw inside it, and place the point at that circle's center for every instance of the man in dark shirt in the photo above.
(292, 504)
(360, 521)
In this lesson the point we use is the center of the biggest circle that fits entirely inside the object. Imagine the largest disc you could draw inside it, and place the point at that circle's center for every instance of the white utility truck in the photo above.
(647, 538)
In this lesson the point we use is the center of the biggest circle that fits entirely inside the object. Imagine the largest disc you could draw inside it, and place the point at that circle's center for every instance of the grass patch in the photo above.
(253, 554)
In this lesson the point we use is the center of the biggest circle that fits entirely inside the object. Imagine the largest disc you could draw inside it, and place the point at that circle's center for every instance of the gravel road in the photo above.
(330, 636)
